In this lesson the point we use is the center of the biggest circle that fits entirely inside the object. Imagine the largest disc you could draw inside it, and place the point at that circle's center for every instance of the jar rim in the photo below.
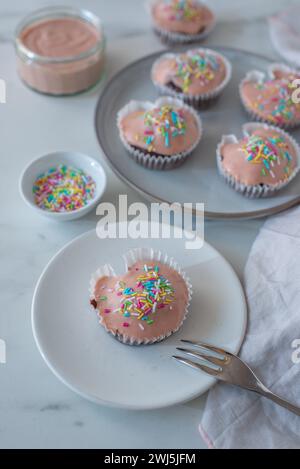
(59, 12)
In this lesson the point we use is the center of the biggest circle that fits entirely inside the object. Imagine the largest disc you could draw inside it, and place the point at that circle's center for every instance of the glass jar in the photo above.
(60, 51)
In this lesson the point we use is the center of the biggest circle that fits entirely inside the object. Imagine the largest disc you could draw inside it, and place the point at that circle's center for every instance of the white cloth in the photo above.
(285, 34)
(236, 418)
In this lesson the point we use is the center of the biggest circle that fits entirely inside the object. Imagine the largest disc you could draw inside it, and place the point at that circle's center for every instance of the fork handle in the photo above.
(278, 400)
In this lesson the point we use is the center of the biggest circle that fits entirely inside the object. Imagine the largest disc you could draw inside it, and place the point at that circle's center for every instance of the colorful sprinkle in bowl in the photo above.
(90, 169)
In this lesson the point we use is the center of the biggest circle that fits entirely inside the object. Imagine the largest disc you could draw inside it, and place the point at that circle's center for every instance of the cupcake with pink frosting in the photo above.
(145, 305)
(261, 163)
(181, 21)
(196, 76)
(273, 97)
(159, 135)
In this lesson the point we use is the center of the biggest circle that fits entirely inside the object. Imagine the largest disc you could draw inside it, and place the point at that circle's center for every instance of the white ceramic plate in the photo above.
(101, 369)
(197, 180)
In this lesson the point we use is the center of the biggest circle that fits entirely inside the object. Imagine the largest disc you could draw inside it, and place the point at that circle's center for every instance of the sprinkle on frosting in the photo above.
(200, 65)
(277, 94)
(167, 121)
(143, 301)
(63, 189)
(268, 152)
(186, 10)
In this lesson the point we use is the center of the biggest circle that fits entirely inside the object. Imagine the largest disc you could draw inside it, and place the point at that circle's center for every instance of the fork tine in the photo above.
(213, 360)
(197, 366)
(206, 346)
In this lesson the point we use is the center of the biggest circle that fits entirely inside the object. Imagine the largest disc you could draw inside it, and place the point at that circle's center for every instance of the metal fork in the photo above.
(227, 367)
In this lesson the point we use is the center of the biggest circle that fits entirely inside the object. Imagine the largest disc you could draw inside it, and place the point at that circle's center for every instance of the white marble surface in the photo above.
(36, 410)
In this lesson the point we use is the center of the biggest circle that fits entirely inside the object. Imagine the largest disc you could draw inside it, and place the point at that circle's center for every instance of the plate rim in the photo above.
(150, 197)
(111, 404)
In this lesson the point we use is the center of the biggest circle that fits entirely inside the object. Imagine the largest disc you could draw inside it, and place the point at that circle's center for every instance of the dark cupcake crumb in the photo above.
(174, 87)
(94, 303)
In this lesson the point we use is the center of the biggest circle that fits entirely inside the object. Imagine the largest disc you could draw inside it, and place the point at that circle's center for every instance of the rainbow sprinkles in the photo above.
(183, 10)
(167, 122)
(63, 189)
(143, 301)
(199, 66)
(276, 100)
(268, 152)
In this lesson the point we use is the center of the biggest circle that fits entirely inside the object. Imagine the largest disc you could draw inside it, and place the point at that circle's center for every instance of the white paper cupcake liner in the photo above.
(130, 258)
(157, 162)
(193, 100)
(259, 77)
(256, 191)
(172, 38)
(281, 67)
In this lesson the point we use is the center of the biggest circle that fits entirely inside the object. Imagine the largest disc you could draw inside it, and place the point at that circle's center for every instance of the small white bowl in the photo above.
(77, 160)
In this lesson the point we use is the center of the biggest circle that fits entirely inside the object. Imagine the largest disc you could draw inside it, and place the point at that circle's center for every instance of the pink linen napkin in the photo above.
(285, 34)
(235, 418)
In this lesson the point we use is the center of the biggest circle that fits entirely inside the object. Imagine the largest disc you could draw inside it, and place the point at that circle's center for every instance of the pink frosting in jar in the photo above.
(272, 100)
(194, 73)
(265, 157)
(68, 54)
(127, 309)
(60, 37)
(182, 16)
(165, 130)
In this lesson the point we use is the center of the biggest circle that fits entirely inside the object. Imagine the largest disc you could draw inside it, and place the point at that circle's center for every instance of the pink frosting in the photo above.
(235, 163)
(165, 320)
(168, 71)
(61, 37)
(136, 129)
(166, 17)
(57, 39)
(271, 101)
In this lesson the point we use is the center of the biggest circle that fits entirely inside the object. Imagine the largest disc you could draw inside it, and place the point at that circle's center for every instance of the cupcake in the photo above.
(145, 305)
(269, 98)
(181, 21)
(195, 76)
(264, 161)
(159, 135)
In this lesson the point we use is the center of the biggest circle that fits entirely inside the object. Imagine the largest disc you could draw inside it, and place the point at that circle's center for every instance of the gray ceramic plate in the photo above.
(197, 180)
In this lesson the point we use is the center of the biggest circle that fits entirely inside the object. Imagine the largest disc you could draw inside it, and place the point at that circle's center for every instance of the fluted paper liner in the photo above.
(130, 258)
(258, 190)
(172, 38)
(259, 77)
(193, 100)
(157, 162)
